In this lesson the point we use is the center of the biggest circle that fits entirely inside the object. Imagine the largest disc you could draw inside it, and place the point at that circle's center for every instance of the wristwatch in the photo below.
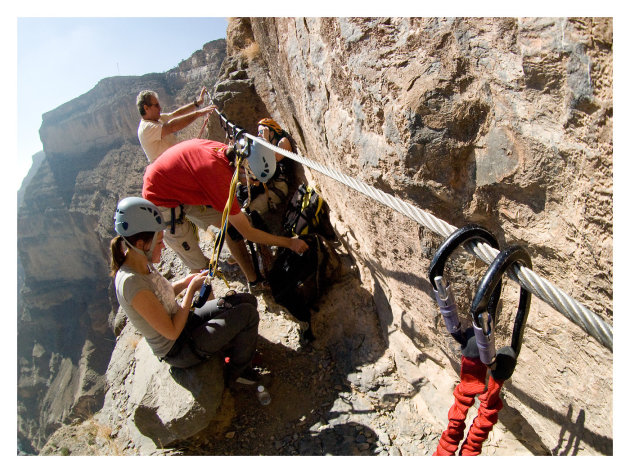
(196, 103)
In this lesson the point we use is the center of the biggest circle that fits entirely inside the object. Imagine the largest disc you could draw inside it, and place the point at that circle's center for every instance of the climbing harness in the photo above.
(474, 369)
(174, 221)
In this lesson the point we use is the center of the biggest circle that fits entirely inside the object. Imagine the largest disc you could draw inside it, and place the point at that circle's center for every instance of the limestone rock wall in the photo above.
(500, 121)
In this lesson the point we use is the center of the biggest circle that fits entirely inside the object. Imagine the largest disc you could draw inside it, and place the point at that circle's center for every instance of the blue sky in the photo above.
(59, 59)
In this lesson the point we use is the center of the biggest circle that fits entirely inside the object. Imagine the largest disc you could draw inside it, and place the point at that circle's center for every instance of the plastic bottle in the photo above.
(263, 395)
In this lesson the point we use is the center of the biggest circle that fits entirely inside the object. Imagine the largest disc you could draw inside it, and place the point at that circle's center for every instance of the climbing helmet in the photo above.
(261, 160)
(136, 215)
(271, 124)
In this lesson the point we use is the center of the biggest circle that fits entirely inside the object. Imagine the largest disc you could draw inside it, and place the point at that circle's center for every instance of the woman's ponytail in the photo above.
(118, 254)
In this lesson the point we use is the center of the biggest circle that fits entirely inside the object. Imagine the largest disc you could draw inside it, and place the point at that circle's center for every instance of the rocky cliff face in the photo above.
(503, 122)
(92, 158)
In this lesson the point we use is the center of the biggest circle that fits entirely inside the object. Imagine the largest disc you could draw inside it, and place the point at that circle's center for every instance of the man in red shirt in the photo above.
(196, 174)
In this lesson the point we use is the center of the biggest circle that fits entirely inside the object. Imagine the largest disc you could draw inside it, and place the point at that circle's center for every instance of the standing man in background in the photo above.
(156, 131)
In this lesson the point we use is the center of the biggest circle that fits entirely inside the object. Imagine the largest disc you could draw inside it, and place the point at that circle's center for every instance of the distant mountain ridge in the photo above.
(91, 157)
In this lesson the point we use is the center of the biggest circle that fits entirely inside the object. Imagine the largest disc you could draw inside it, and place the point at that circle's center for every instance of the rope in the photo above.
(537, 285)
(213, 264)
(472, 383)
(487, 416)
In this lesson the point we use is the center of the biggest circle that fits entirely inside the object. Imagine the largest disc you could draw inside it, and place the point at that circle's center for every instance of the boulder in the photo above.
(147, 399)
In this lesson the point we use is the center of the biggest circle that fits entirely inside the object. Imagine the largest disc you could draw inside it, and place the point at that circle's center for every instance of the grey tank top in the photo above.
(128, 283)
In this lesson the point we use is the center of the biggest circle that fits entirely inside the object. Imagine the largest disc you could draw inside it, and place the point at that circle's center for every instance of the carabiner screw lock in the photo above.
(483, 327)
(446, 302)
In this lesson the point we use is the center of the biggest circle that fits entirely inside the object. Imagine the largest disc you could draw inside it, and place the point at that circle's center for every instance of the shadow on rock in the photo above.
(339, 440)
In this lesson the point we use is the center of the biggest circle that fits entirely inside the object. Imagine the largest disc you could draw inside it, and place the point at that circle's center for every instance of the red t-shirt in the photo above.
(193, 172)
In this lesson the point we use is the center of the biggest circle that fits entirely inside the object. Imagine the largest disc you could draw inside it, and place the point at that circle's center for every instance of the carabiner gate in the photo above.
(442, 289)
(503, 362)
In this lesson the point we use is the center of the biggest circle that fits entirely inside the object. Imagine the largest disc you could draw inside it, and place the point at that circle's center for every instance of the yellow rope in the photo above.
(214, 259)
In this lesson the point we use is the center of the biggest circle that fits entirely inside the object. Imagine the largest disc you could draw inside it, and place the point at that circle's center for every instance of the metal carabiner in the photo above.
(442, 288)
(503, 362)
(241, 143)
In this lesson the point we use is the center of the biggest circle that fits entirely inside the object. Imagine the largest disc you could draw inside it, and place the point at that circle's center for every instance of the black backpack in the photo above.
(307, 213)
(297, 281)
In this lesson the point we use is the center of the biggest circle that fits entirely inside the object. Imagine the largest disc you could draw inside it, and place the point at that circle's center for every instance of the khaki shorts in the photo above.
(203, 216)
(185, 241)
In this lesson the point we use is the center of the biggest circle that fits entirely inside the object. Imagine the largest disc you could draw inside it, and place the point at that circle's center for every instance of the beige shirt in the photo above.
(150, 136)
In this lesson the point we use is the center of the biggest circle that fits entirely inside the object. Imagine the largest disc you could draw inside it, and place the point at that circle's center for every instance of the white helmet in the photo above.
(261, 160)
(136, 215)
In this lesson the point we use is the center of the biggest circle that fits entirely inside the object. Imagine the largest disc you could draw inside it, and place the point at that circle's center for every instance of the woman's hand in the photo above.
(187, 279)
(196, 281)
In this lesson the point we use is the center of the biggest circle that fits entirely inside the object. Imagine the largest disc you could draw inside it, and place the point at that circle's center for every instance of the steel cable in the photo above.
(576, 312)
(537, 285)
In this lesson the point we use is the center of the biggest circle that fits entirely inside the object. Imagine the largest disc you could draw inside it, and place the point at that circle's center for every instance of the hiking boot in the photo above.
(257, 286)
(248, 377)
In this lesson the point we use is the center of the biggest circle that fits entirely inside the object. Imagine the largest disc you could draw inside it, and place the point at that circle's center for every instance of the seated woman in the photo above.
(177, 335)
(277, 188)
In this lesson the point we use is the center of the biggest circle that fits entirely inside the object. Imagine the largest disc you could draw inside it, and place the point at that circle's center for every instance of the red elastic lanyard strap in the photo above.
(487, 416)
(472, 382)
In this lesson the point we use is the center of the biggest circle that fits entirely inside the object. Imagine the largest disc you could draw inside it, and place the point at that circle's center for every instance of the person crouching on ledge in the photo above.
(177, 334)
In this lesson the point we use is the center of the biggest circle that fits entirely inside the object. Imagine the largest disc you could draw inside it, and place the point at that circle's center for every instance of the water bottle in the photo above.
(263, 395)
